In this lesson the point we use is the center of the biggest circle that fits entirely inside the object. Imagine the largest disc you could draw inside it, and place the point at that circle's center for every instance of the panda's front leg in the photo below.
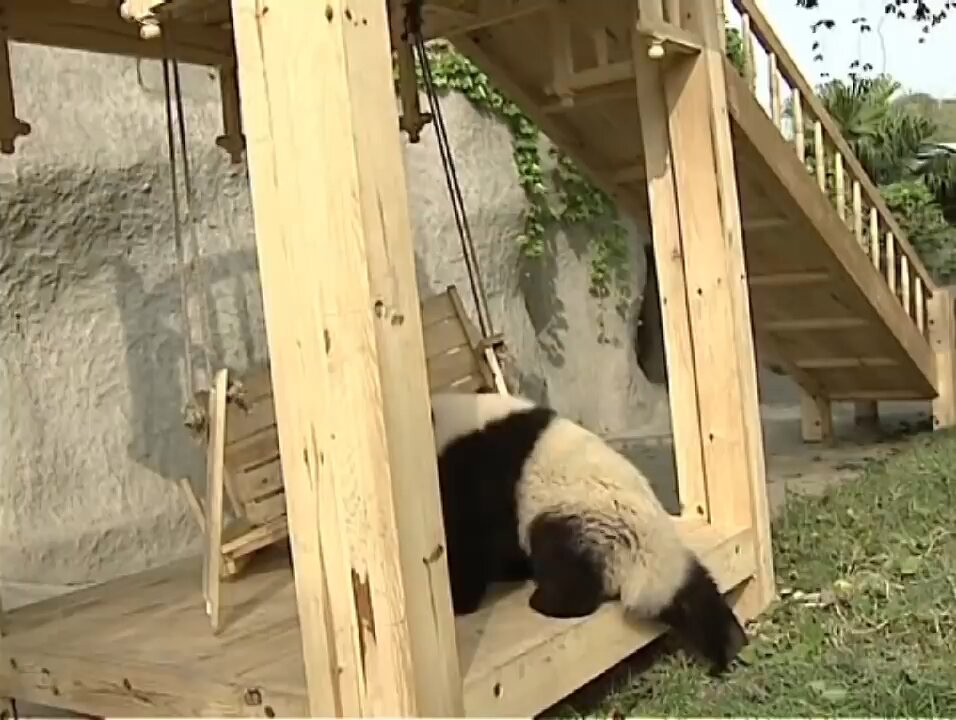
(569, 580)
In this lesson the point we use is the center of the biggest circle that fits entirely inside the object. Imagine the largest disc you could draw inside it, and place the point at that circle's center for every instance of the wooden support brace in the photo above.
(816, 418)
(347, 360)
(11, 127)
(215, 488)
(942, 334)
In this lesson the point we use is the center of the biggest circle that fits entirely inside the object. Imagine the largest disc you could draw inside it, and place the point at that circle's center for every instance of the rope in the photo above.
(413, 25)
(194, 415)
(194, 266)
(189, 390)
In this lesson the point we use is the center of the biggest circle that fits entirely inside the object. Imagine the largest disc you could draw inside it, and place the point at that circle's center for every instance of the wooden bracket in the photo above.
(11, 127)
(412, 119)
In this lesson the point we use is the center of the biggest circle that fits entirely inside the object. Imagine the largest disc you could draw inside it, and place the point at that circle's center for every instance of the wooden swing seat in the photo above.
(458, 359)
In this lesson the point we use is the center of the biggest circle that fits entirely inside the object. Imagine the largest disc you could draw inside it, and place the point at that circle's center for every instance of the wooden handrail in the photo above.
(891, 254)
(783, 63)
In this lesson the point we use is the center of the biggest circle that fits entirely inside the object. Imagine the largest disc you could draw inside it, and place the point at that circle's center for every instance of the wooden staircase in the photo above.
(839, 298)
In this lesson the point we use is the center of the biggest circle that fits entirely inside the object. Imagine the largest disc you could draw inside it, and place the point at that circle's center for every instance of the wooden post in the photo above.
(942, 334)
(717, 282)
(347, 359)
(816, 418)
(717, 290)
(672, 287)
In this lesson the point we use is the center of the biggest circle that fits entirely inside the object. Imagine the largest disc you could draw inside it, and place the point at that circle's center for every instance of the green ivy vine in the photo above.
(563, 197)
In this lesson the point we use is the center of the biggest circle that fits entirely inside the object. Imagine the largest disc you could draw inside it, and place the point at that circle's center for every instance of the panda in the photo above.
(528, 494)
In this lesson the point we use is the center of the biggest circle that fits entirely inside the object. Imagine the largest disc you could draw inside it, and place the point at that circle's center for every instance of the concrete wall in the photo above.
(91, 339)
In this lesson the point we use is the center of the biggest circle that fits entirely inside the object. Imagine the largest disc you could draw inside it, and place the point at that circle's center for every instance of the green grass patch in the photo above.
(866, 623)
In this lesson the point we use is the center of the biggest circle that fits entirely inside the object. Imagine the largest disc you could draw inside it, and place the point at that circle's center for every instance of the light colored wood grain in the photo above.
(719, 301)
(799, 131)
(215, 486)
(776, 113)
(280, 181)
(672, 284)
(906, 295)
(858, 215)
(163, 661)
(816, 418)
(360, 333)
(839, 185)
(942, 333)
(891, 261)
(820, 155)
(875, 238)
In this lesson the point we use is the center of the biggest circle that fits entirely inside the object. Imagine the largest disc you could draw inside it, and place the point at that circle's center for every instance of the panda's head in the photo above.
(455, 415)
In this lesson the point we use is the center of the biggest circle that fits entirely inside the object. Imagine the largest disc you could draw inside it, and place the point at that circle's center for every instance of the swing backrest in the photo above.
(455, 362)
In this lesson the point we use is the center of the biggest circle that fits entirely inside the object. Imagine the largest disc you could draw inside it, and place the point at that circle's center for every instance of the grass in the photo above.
(866, 623)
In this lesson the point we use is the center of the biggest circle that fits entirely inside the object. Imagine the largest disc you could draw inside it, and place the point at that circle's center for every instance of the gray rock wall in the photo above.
(91, 339)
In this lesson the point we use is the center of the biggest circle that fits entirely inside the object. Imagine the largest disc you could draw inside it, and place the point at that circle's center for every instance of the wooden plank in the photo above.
(162, 661)
(215, 485)
(672, 285)
(731, 424)
(791, 71)
(82, 26)
(816, 418)
(519, 663)
(344, 321)
(942, 333)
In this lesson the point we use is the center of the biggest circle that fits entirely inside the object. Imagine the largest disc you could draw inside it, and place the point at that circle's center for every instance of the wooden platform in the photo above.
(141, 645)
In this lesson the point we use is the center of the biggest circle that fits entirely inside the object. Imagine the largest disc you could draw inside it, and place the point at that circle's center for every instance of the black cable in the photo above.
(413, 28)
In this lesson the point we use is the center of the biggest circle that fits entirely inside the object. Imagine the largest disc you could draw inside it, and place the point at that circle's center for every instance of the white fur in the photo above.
(574, 472)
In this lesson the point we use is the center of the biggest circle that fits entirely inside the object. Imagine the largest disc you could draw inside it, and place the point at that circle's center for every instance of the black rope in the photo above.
(413, 21)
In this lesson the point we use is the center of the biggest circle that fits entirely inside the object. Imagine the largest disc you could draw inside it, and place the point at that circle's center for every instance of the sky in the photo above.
(930, 67)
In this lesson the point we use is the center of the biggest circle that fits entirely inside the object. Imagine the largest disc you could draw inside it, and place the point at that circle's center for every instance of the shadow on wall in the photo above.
(546, 310)
(151, 319)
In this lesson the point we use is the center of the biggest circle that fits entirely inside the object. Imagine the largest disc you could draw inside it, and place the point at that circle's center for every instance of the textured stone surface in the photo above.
(91, 339)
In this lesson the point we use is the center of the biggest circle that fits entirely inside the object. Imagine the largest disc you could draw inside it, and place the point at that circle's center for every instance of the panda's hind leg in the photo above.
(569, 579)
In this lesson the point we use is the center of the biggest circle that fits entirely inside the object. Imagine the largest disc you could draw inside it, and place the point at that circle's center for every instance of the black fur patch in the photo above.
(569, 576)
(478, 474)
(704, 621)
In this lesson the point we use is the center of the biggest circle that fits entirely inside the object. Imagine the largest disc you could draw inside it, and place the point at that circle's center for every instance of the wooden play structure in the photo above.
(766, 231)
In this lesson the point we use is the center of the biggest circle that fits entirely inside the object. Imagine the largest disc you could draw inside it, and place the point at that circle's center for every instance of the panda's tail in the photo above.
(701, 617)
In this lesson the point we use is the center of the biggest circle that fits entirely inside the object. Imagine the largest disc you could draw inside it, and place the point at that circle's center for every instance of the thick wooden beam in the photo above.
(718, 293)
(816, 418)
(347, 359)
(942, 334)
(672, 284)
(86, 27)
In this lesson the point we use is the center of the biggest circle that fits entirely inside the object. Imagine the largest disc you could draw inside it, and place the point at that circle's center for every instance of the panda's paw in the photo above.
(558, 605)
